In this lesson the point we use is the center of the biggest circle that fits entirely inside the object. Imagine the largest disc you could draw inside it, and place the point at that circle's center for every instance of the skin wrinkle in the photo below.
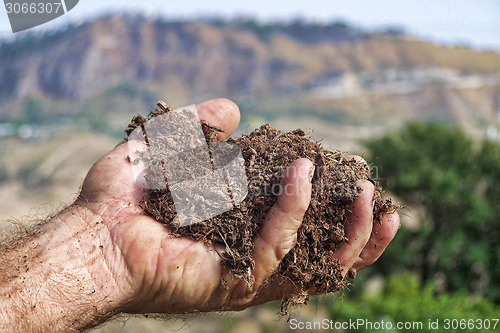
(117, 248)
(179, 276)
(229, 291)
(137, 280)
(225, 298)
(216, 261)
(114, 226)
(241, 301)
(206, 295)
(118, 254)
(110, 197)
(157, 276)
(84, 256)
(184, 274)
(278, 251)
(108, 235)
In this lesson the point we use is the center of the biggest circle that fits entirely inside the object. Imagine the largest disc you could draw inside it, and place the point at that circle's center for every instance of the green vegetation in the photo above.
(457, 182)
(33, 112)
(88, 116)
(265, 114)
(132, 90)
(404, 300)
(4, 176)
(303, 30)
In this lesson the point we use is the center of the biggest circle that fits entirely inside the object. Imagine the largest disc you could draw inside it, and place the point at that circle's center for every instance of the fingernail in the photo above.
(311, 173)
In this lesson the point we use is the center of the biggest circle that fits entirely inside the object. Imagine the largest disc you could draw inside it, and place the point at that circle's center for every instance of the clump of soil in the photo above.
(267, 152)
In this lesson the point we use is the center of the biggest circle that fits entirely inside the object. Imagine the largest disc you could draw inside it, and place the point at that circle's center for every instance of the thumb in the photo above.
(279, 232)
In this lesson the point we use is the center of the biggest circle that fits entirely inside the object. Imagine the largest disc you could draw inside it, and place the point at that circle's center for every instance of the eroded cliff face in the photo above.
(210, 58)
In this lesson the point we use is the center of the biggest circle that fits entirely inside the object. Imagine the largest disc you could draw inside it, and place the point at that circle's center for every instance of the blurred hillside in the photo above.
(101, 72)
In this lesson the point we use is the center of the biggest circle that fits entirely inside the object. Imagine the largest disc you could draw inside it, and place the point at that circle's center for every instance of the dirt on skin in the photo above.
(267, 152)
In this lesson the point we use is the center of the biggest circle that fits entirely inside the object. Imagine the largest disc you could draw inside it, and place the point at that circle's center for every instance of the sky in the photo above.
(463, 22)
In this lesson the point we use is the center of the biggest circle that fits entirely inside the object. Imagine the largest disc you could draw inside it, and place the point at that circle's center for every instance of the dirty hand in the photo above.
(104, 255)
(158, 272)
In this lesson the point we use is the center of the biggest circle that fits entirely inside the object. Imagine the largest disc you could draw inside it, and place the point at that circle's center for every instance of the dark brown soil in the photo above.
(267, 152)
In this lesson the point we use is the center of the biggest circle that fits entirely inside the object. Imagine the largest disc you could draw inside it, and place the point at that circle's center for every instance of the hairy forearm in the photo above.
(56, 278)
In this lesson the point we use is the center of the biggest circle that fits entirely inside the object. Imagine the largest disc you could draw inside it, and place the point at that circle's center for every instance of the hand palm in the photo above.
(163, 273)
(152, 256)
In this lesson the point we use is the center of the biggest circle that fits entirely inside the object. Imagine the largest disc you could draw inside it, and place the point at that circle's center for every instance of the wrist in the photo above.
(98, 257)
(60, 275)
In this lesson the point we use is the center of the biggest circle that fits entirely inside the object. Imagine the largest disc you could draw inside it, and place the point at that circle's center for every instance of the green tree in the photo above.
(404, 300)
(457, 181)
(33, 111)
(3, 170)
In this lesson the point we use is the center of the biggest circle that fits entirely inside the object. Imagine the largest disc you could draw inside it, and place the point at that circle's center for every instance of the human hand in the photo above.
(151, 270)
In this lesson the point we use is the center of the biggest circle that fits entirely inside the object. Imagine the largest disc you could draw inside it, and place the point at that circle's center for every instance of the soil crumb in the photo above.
(267, 151)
